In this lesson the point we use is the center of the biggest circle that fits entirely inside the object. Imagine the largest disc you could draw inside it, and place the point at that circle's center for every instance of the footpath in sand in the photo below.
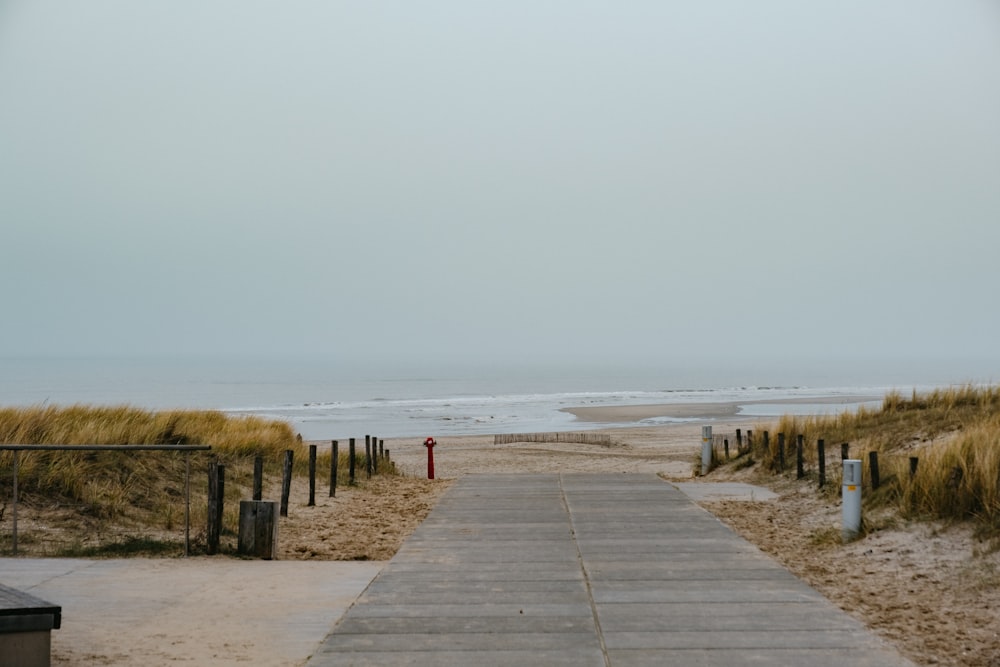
(589, 569)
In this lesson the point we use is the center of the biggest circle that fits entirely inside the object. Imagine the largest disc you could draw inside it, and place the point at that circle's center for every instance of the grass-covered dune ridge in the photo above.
(141, 490)
(954, 433)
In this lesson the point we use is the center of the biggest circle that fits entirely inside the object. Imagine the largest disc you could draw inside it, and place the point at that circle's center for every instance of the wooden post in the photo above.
(845, 451)
(725, 446)
(187, 504)
(312, 476)
(368, 456)
(821, 454)
(781, 452)
(258, 477)
(873, 469)
(750, 442)
(767, 444)
(334, 455)
(286, 481)
(800, 464)
(258, 529)
(914, 460)
(13, 539)
(216, 493)
(351, 460)
(739, 442)
(381, 449)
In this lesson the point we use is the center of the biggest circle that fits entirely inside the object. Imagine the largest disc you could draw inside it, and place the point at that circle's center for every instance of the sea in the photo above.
(326, 399)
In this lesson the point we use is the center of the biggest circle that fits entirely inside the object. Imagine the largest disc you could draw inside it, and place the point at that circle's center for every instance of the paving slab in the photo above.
(584, 569)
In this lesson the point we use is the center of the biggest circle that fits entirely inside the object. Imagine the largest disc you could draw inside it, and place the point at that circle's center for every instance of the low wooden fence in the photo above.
(122, 449)
(576, 438)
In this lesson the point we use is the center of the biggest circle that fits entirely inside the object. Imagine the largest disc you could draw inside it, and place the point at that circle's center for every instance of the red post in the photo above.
(429, 444)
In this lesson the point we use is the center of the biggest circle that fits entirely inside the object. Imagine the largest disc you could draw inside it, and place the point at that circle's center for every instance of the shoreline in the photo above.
(691, 412)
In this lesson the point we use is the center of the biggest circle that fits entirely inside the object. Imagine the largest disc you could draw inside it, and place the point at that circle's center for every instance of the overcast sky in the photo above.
(501, 180)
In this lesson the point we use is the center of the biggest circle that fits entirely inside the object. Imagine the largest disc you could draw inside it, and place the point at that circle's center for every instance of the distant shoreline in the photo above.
(627, 414)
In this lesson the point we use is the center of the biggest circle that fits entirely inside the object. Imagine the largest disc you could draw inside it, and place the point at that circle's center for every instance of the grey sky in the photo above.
(503, 180)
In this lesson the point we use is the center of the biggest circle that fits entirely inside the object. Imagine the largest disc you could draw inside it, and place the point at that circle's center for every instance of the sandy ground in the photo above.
(932, 590)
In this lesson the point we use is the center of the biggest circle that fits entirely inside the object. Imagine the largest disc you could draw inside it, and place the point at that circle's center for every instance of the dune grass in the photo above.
(954, 433)
(144, 491)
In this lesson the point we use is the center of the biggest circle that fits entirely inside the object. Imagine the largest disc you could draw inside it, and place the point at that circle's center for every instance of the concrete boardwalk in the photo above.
(594, 570)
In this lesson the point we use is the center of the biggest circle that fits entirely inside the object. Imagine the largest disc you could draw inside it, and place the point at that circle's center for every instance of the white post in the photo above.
(851, 504)
(706, 449)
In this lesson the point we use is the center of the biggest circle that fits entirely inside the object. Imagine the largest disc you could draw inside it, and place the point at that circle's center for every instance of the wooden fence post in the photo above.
(286, 481)
(351, 460)
(821, 454)
(368, 456)
(258, 477)
(800, 460)
(767, 444)
(739, 442)
(216, 493)
(914, 460)
(781, 452)
(873, 469)
(374, 455)
(725, 445)
(334, 455)
(312, 476)
(845, 451)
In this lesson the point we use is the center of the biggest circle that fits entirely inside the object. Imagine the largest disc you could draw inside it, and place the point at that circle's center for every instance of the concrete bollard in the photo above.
(706, 449)
(851, 503)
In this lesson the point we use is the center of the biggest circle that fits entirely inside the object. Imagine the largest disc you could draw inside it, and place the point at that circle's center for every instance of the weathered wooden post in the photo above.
(845, 451)
(800, 462)
(821, 455)
(914, 460)
(725, 446)
(374, 455)
(767, 444)
(351, 460)
(13, 539)
(286, 481)
(750, 443)
(216, 493)
(368, 456)
(739, 442)
(258, 529)
(334, 455)
(381, 449)
(258, 477)
(312, 476)
(781, 452)
(873, 469)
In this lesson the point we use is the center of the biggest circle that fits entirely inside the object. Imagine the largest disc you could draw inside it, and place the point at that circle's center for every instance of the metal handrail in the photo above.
(187, 449)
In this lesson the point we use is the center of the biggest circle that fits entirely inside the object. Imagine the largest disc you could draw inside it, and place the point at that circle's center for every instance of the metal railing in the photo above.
(123, 449)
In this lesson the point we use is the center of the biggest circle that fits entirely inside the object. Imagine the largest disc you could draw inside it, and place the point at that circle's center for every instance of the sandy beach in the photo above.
(931, 589)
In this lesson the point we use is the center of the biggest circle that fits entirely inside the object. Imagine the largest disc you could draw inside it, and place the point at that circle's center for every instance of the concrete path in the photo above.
(589, 570)
(206, 611)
